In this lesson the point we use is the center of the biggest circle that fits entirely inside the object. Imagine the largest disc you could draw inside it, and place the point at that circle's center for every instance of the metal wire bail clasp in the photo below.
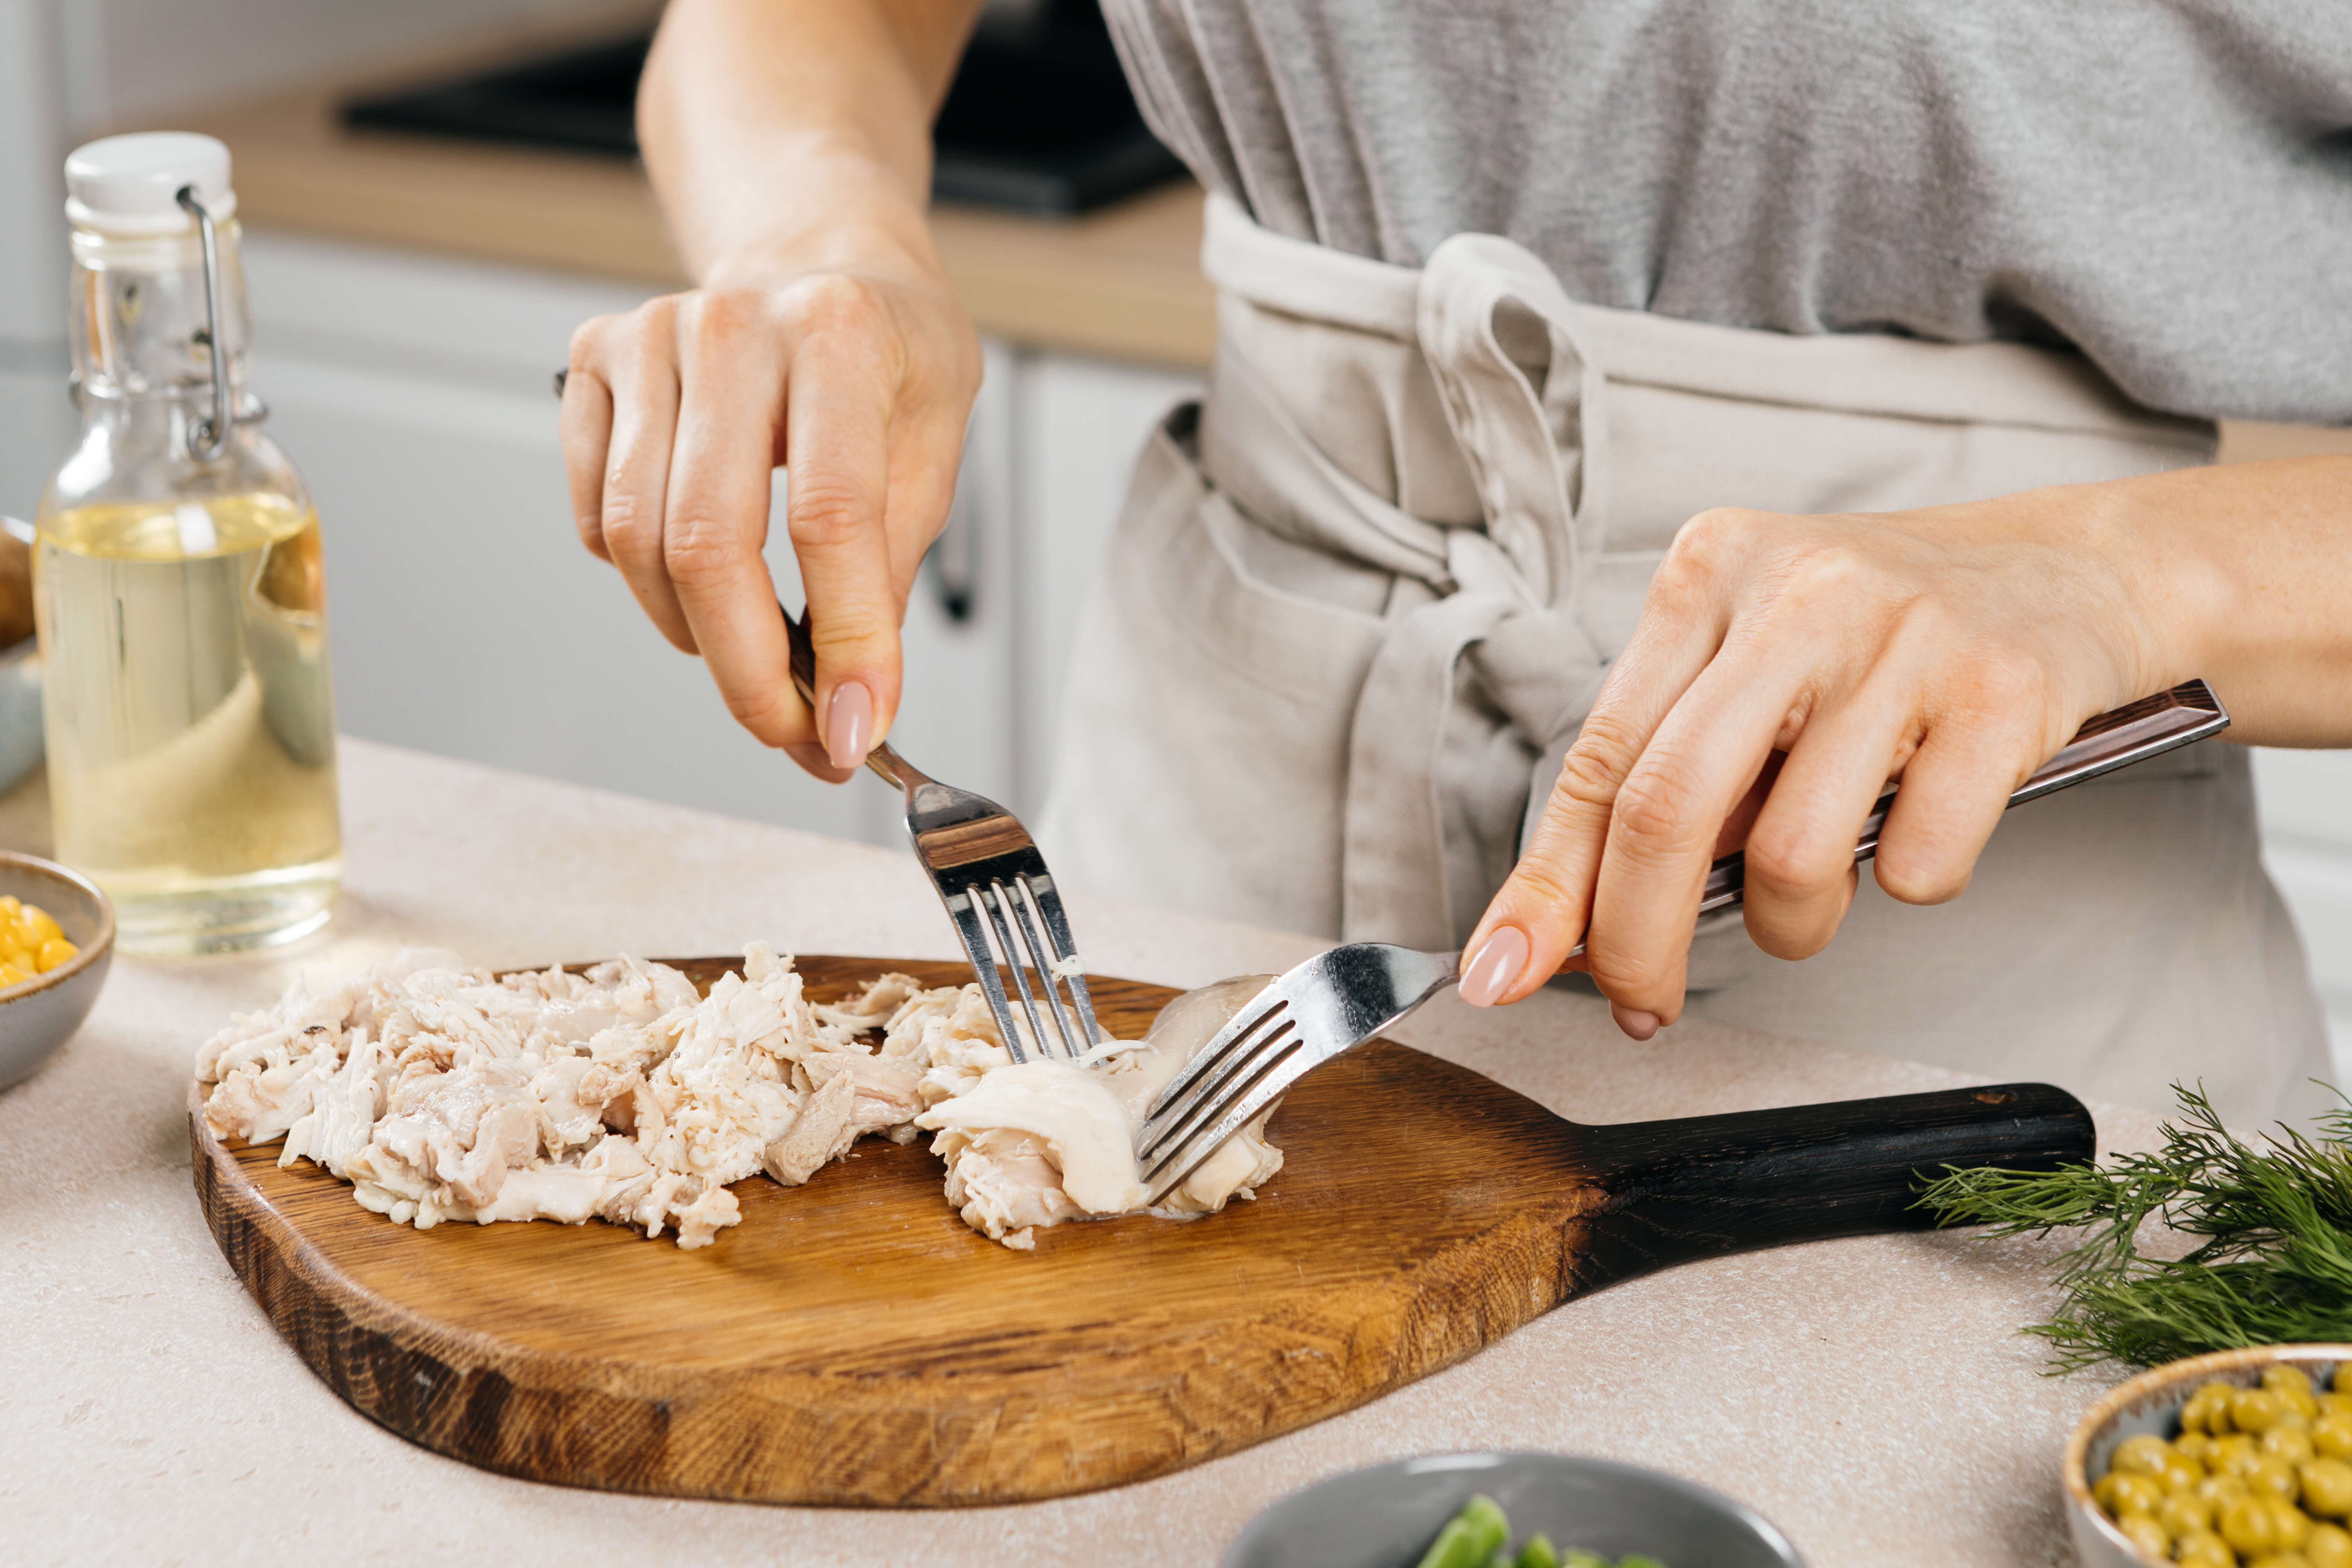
(208, 435)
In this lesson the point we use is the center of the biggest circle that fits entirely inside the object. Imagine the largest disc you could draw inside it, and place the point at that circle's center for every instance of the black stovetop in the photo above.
(1039, 119)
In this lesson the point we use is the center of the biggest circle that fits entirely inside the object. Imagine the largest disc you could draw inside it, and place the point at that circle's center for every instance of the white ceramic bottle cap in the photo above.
(130, 185)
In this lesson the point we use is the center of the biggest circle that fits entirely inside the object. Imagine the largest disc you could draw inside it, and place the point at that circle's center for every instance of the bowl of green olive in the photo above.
(2237, 1460)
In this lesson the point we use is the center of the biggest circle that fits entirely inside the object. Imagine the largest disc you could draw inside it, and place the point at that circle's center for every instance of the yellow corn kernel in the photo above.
(54, 952)
(42, 927)
(11, 975)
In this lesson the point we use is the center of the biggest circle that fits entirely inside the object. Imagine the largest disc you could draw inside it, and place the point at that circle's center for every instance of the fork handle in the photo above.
(1712, 1184)
(2116, 739)
(888, 765)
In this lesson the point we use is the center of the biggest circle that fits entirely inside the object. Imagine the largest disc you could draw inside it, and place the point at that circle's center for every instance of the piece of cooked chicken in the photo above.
(441, 1092)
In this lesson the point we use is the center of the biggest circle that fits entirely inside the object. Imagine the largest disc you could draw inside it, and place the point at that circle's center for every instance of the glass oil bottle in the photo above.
(179, 582)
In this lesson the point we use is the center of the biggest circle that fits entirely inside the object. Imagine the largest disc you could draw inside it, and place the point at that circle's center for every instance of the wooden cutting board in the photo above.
(852, 1342)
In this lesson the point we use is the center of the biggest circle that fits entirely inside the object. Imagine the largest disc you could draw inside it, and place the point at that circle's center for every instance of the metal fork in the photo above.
(993, 882)
(1340, 998)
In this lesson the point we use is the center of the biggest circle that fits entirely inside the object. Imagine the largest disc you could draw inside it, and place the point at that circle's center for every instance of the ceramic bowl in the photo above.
(2151, 1403)
(1385, 1517)
(42, 1014)
(20, 711)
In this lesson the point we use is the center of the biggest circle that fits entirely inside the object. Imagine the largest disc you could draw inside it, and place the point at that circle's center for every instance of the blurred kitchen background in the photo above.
(436, 192)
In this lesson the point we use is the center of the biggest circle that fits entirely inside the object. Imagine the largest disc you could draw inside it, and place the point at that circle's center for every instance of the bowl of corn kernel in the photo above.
(2237, 1460)
(57, 937)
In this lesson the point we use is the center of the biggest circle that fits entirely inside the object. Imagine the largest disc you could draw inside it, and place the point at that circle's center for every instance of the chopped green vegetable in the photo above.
(2275, 1266)
(1538, 1552)
(1480, 1537)
(1471, 1537)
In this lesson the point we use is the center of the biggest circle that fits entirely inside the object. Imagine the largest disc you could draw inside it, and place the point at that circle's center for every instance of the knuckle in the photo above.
(776, 717)
(1538, 891)
(833, 302)
(1777, 865)
(719, 318)
(1710, 536)
(1655, 806)
(700, 550)
(1595, 767)
(628, 526)
(823, 510)
(1912, 879)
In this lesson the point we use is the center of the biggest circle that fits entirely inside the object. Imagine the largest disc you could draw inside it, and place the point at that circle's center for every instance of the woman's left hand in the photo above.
(1784, 671)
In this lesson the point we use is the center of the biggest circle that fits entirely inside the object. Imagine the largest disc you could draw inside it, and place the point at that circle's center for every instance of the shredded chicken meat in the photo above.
(441, 1092)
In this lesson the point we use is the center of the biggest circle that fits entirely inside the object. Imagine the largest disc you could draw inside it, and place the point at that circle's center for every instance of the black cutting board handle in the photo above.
(1712, 1184)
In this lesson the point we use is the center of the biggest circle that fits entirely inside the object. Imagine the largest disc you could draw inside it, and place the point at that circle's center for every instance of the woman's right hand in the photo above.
(858, 376)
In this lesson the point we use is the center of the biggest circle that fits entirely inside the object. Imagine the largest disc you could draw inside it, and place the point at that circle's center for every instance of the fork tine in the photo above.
(1221, 1045)
(1041, 958)
(1270, 1083)
(963, 908)
(1178, 1119)
(1048, 899)
(993, 899)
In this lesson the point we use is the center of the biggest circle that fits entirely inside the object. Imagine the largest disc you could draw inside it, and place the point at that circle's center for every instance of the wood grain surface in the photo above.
(852, 1342)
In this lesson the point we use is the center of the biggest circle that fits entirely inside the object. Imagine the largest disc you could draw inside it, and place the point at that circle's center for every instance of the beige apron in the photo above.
(1360, 600)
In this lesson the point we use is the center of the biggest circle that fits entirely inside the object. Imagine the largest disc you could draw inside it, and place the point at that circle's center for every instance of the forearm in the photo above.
(2247, 569)
(795, 134)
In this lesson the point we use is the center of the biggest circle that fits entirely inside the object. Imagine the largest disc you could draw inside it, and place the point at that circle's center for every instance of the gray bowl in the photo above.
(42, 1014)
(1386, 1516)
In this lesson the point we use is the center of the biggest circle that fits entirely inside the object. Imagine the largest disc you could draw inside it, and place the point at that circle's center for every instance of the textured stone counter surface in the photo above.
(1872, 1396)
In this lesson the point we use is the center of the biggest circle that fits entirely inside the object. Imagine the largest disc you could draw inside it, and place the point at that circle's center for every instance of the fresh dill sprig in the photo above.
(2275, 1266)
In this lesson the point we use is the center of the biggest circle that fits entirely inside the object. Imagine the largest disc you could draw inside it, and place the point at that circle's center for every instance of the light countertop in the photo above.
(1870, 1395)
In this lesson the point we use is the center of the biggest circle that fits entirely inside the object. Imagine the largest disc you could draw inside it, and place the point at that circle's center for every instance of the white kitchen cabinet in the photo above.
(1080, 424)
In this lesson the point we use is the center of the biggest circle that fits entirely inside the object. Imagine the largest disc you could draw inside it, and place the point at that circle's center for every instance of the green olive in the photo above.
(2256, 1409)
(2249, 1526)
(2273, 1477)
(2293, 1525)
(2207, 1411)
(2326, 1487)
(2152, 1538)
(2181, 1473)
(2203, 1549)
(2292, 1443)
(2185, 1513)
(2220, 1489)
(2280, 1377)
(2122, 1491)
(2330, 1546)
(2332, 1435)
(2144, 1454)
(2194, 1445)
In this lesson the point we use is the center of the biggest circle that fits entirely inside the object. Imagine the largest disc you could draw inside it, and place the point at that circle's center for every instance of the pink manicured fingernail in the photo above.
(849, 725)
(1495, 966)
(1634, 1021)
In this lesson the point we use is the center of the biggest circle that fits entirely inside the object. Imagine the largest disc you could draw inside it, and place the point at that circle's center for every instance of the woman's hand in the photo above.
(1784, 669)
(675, 414)
(790, 141)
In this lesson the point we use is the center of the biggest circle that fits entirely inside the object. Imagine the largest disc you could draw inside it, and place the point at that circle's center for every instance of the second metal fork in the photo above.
(994, 883)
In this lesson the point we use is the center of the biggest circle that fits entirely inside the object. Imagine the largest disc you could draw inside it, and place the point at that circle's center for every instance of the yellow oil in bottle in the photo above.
(190, 716)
